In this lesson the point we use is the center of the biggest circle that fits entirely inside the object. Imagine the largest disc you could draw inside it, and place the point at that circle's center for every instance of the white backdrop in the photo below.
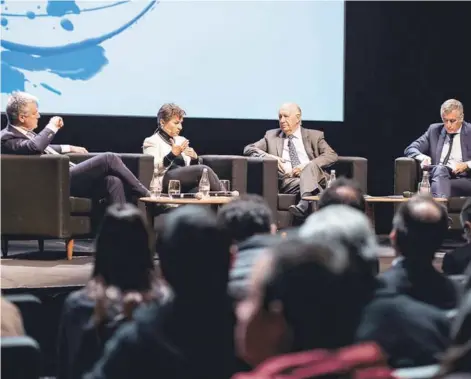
(216, 59)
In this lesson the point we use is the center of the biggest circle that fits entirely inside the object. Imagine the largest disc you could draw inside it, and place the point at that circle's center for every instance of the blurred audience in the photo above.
(419, 228)
(189, 336)
(456, 261)
(12, 323)
(424, 329)
(123, 276)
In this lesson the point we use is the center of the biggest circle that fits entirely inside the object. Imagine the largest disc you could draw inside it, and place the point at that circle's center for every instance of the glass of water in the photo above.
(156, 189)
(226, 185)
(173, 188)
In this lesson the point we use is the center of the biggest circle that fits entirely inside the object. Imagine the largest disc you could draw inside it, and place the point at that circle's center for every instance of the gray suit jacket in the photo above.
(317, 149)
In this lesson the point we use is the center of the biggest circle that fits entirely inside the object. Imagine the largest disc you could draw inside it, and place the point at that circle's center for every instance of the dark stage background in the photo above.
(402, 60)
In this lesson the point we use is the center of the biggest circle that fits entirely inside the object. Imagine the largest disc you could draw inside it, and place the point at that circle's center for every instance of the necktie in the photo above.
(293, 154)
(48, 149)
(447, 157)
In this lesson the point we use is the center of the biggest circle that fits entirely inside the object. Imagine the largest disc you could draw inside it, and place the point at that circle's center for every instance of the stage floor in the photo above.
(26, 268)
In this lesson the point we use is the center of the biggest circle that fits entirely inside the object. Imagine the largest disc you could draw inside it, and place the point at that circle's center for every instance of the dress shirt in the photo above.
(456, 155)
(299, 146)
(64, 148)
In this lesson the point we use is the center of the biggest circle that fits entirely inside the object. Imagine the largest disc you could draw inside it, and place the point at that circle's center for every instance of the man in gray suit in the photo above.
(301, 154)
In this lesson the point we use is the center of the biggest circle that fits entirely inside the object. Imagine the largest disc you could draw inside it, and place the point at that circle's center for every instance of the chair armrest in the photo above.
(355, 168)
(35, 196)
(141, 165)
(406, 175)
(229, 167)
(262, 179)
(21, 357)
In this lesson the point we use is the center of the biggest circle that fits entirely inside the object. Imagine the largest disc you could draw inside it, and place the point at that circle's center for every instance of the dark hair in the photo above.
(353, 198)
(194, 252)
(168, 111)
(123, 255)
(311, 283)
(245, 217)
(420, 224)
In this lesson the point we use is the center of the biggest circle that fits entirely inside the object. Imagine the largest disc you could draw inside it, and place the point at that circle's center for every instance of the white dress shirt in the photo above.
(64, 148)
(299, 146)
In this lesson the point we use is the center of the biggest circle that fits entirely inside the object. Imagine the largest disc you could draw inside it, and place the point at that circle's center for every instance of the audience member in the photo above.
(419, 228)
(456, 261)
(424, 332)
(188, 336)
(343, 191)
(12, 323)
(250, 223)
(123, 268)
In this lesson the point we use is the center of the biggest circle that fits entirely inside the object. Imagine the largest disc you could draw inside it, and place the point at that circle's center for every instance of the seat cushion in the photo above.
(80, 205)
(285, 201)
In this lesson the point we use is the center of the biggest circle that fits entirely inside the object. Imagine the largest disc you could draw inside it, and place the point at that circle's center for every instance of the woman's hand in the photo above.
(191, 153)
(178, 149)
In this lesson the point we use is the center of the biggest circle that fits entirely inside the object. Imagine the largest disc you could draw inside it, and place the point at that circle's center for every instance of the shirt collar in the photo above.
(297, 134)
(21, 130)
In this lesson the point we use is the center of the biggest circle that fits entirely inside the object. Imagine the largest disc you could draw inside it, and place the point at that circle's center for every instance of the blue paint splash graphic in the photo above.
(76, 61)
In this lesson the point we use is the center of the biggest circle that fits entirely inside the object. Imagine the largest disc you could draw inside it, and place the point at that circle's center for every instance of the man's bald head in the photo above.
(419, 227)
(289, 117)
(343, 191)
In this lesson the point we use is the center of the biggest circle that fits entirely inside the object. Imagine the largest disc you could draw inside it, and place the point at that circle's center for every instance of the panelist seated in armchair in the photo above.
(104, 175)
(174, 159)
(302, 154)
(445, 150)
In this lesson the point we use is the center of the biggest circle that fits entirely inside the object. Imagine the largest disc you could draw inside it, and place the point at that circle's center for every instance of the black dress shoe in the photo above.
(297, 212)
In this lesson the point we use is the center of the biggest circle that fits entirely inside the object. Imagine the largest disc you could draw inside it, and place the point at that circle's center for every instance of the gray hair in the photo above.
(451, 105)
(16, 105)
(341, 227)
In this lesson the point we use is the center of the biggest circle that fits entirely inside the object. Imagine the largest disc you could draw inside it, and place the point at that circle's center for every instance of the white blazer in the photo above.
(156, 146)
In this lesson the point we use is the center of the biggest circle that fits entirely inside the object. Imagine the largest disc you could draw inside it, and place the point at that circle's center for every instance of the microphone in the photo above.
(407, 194)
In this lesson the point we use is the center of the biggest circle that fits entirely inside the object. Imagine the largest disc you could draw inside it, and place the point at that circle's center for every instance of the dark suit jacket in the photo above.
(455, 262)
(431, 143)
(317, 149)
(14, 142)
(422, 283)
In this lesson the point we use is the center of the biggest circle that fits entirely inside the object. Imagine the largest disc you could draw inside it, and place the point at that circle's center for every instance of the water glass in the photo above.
(156, 189)
(226, 185)
(173, 188)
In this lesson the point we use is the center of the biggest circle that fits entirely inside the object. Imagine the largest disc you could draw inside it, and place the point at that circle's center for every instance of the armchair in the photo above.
(407, 175)
(229, 167)
(262, 179)
(36, 203)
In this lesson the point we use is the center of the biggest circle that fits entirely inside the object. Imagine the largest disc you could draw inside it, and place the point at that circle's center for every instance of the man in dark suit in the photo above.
(103, 175)
(301, 154)
(445, 150)
(419, 227)
(455, 262)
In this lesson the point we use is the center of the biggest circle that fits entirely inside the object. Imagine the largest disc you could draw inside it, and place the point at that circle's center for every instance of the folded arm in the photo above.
(257, 149)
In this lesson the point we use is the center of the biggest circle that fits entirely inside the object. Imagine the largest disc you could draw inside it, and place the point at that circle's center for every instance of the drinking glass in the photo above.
(156, 189)
(173, 188)
(226, 185)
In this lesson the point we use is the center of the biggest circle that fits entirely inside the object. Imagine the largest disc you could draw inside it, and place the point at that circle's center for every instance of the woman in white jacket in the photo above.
(173, 157)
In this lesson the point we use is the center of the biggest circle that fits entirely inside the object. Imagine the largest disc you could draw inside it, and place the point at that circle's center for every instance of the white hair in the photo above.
(17, 104)
(451, 105)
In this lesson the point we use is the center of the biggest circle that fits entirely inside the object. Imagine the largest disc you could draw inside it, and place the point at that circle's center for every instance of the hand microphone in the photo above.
(408, 194)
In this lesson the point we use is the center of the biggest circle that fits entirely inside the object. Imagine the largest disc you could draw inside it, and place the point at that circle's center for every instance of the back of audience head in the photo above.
(343, 191)
(124, 258)
(194, 252)
(246, 216)
(465, 218)
(297, 301)
(349, 230)
(419, 227)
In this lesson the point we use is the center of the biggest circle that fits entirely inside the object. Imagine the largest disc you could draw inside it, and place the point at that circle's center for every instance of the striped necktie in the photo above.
(293, 154)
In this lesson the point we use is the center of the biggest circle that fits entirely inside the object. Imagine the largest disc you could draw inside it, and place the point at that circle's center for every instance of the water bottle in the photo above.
(331, 178)
(424, 185)
(204, 184)
(155, 185)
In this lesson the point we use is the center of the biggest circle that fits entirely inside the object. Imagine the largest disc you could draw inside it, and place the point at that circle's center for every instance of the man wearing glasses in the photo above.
(445, 151)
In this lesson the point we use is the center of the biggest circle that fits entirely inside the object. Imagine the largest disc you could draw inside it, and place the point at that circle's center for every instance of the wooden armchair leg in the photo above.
(70, 248)
(4, 247)
(41, 245)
